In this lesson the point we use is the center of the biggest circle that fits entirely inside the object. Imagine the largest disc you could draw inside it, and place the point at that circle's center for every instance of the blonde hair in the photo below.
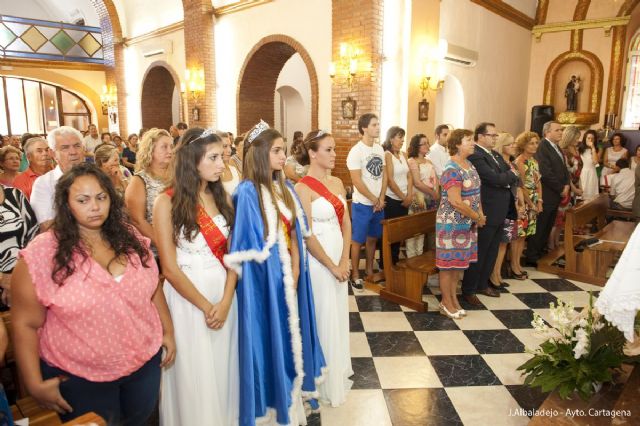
(146, 146)
(103, 153)
(570, 136)
(523, 140)
(503, 140)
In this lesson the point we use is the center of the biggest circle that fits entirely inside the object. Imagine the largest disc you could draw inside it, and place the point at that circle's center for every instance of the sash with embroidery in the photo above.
(319, 188)
(214, 237)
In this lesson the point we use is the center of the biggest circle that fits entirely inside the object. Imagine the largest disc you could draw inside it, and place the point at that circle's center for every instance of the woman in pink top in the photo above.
(88, 312)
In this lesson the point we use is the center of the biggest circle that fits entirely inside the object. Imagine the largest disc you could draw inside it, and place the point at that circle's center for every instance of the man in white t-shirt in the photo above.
(367, 169)
(67, 146)
(91, 141)
(438, 153)
(622, 187)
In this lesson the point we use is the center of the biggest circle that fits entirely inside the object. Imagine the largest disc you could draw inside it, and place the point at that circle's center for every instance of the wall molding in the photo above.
(153, 34)
(605, 23)
(507, 11)
(238, 6)
(37, 63)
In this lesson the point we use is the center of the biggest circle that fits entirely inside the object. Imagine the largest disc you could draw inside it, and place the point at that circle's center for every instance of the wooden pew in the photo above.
(404, 281)
(592, 263)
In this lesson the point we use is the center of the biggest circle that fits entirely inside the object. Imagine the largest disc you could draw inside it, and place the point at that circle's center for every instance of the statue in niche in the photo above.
(571, 93)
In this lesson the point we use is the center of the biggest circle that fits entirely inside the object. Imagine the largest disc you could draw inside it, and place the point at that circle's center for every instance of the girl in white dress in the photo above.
(231, 176)
(323, 199)
(192, 221)
(590, 159)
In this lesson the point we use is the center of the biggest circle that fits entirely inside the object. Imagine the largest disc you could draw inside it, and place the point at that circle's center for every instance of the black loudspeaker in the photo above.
(540, 114)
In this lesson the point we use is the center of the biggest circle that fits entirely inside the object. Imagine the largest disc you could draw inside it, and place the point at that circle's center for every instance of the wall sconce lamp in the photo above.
(194, 83)
(108, 98)
(434, 69)
(347, 65)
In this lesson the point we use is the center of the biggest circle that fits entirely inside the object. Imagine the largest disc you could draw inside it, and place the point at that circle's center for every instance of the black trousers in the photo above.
(476, 278)
(394, 208)
(539, 240)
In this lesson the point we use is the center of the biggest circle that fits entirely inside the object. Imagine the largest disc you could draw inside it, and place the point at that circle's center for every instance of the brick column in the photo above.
(199, 54)
(113, 51)
(359, 23)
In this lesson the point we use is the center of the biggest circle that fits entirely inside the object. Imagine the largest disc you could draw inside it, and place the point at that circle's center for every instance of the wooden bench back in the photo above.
(586, 213)
(401, 228)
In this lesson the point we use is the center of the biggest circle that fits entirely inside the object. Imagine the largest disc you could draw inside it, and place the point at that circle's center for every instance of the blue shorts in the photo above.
(365, 223)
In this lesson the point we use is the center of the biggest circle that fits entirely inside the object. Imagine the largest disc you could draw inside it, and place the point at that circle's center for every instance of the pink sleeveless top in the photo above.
(95, 327)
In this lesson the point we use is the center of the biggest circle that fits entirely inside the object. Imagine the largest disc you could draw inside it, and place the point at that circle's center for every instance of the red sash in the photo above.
(319, 188)
(214, 237)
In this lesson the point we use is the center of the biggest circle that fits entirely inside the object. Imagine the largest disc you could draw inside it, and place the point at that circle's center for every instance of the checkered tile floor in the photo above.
(425, 369)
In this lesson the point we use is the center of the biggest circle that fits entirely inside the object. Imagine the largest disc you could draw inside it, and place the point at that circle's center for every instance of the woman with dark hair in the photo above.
(193, 220)
(129, 152)
(323, 200)
(588, 151)
(399, 195)
(89, 317)
(293, 170)
(459, 216)
(107, 159)
(278, 343)
(612, 154)
(426, 186)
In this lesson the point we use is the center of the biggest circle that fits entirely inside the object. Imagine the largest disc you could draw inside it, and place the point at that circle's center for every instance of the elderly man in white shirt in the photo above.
(67, 146)
(438, 153)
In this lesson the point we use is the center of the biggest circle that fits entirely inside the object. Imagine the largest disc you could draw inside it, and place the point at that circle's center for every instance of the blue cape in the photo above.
(276, 326)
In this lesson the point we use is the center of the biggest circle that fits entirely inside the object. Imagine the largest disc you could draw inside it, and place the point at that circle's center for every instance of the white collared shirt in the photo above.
(42, 194)
(488, 151)
(439, 156)
(622, 187)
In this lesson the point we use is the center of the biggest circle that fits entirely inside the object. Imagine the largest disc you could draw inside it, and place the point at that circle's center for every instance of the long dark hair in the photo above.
(414, 145)
(116, 230)
(582, 146)
(392, 133)
(257, 169)
(186, 184)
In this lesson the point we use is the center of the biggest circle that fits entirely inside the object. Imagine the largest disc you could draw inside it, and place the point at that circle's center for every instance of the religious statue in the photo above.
(571, 93)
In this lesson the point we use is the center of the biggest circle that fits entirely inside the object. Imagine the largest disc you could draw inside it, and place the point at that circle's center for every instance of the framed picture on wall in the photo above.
(423, 110)
(349, 108)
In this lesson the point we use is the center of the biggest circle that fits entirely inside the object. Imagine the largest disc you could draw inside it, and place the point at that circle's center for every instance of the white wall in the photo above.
(496, 88)
(142, 16)
(293, 97)
(236, 34)
(137, 65)
(52, 10)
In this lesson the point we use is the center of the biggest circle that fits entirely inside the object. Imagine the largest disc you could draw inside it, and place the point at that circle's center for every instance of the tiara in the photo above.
(205, 134)
(259, 128)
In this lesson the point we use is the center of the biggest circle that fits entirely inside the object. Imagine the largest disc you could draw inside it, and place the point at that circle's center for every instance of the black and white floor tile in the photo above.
(425, 369)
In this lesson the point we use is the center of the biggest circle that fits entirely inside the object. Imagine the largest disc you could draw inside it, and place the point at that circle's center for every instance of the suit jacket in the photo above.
(636, 200)
(554, 173)
(496, 181)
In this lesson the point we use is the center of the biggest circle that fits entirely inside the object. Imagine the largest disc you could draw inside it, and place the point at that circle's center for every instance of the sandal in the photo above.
(357, 284)
(522, 276)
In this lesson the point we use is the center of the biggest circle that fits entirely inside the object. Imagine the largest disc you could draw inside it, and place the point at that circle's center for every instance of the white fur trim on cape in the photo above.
(235, 260)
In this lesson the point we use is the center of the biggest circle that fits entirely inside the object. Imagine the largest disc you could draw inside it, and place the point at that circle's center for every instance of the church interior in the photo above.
(302, 65)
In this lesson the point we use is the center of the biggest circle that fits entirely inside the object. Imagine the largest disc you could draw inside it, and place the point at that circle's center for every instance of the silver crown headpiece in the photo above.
(258, 128)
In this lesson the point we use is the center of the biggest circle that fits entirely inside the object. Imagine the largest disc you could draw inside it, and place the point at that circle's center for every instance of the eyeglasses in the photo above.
(492, 135)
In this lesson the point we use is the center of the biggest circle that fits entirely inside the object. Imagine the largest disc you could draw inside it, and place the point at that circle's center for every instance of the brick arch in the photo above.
(113, 51)
(156, 103)
(259, 75)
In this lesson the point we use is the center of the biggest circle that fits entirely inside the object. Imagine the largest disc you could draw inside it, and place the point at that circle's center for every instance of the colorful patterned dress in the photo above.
(530, 182)
(457, 234)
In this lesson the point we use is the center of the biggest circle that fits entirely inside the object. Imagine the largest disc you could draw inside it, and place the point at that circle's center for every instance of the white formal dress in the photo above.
(331, 305)
(588, 177)
(201, 388)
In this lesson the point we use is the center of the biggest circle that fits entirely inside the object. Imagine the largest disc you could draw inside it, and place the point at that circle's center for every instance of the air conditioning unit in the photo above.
(458, 55)
(157, 48)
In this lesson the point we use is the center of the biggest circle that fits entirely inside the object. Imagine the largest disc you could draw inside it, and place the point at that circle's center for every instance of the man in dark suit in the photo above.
(496, 177)
(555, 186)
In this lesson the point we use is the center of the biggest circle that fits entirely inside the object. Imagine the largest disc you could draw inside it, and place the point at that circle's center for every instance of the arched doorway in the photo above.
(160, 100)
(259, 76)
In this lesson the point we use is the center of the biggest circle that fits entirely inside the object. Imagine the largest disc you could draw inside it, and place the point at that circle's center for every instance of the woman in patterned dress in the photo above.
(459, 215)
(526, 146)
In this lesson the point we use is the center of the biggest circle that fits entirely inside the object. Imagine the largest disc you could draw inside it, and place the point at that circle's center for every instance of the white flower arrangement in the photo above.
(579, 352)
